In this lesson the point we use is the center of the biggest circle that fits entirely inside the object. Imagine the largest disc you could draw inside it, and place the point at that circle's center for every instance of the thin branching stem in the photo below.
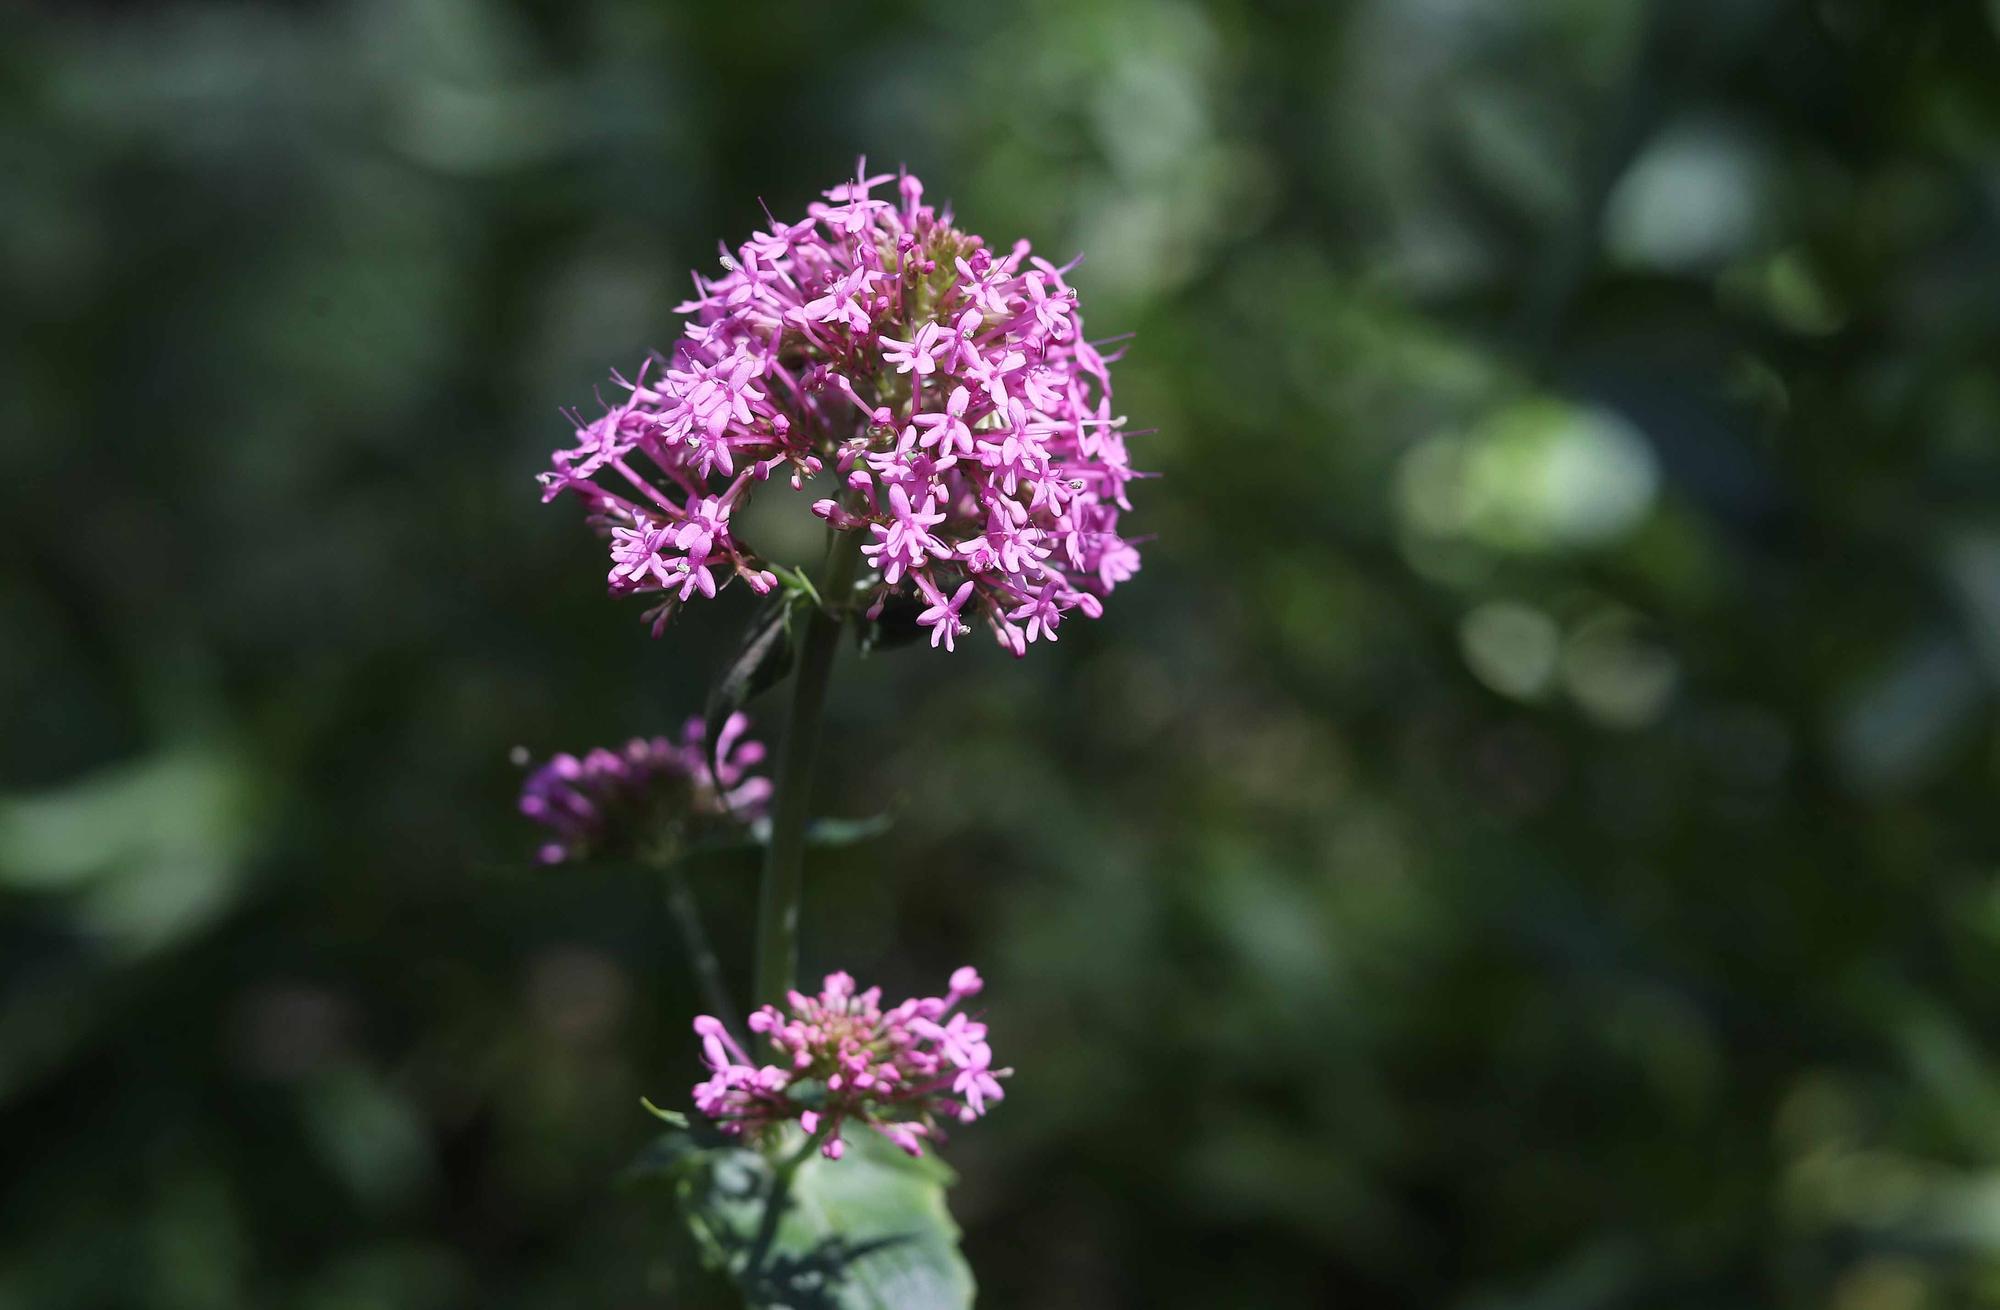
(700, 953)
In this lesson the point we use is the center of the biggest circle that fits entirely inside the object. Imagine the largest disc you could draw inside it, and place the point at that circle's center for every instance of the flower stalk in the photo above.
(776, 1199)
(695, 945)
(783, 879)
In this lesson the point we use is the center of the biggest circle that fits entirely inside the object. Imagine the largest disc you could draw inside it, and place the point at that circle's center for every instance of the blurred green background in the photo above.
(1527, 839)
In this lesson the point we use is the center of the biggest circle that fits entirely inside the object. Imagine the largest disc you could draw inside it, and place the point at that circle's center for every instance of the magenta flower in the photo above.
(942, 617)
(949, 389)
(611, 802)
(840, 1056)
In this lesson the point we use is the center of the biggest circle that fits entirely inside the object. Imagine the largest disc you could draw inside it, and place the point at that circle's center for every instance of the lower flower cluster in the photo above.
(608, 802)
(841, 1056)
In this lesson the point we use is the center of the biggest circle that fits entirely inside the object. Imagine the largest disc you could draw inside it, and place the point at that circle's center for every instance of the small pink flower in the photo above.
(905, 542)
(942, 617)
(919, 354)
(1041, 612)
(947, 431)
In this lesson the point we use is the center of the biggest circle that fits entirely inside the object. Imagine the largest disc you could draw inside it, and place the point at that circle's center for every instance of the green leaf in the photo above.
(869, 1231)
(821, 834)
(825, 834)
(673, 1118)
(798, 584)
(763, 657)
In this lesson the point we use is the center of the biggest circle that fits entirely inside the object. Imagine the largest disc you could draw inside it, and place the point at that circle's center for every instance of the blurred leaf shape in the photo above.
(1691, 201)
(1897, 726)
(152, 850)
(369, 1135)
(1615, 675)
(1972, 564)
(1541, 474)
(1789, 289)
(1510, 647)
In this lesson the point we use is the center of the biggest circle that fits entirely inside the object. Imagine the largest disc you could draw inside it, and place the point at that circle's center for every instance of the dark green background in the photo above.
(1527, 839)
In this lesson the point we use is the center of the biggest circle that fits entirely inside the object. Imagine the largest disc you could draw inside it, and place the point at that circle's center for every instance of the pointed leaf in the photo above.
(821, 834)
(763, 657)
(830, 833)
(673, 1118)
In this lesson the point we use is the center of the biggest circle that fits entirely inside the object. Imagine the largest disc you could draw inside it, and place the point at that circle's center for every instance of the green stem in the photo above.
(784, 858)
(700, 954)
(774, 1205)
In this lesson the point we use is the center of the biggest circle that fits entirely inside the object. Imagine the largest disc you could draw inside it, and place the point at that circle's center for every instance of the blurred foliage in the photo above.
(1526, 840)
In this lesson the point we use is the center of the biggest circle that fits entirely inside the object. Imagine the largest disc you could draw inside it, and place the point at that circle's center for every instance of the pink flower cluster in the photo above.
(610, 799)
(842, 1056)
(949, 389)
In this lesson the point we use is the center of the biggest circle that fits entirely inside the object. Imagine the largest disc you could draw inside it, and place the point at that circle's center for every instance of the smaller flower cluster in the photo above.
(842, 1056)
(607, 801)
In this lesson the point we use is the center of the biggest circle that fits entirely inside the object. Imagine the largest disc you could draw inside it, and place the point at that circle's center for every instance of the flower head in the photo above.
(608, 802)
(840, 1056)
(948, 387)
